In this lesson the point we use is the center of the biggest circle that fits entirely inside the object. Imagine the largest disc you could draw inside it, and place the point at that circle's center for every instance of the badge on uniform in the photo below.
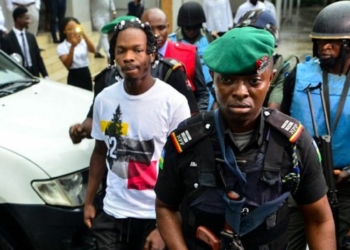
(261, 64)
(288, 126)
(181, 139)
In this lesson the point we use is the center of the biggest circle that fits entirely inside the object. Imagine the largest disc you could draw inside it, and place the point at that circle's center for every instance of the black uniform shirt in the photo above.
(170, 187)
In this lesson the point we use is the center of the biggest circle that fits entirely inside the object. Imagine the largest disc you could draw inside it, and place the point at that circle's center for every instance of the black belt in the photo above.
(24, 5)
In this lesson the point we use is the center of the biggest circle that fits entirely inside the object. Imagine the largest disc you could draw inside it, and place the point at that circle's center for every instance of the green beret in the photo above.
(240, 51)
(109, 27)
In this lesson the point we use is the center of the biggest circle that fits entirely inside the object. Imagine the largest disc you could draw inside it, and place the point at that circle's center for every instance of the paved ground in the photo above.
(294, 34)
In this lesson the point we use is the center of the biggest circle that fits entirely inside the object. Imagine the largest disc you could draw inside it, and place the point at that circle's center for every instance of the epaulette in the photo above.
(103, 72)
(192, 131)
(172, 63)
(288, 126)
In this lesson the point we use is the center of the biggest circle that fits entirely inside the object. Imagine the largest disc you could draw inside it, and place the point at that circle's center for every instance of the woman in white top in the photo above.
(73, 52)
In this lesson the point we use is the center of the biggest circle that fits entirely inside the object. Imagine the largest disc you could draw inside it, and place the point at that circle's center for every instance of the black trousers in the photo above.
(121, 234)
(80, 78)
(57, 12)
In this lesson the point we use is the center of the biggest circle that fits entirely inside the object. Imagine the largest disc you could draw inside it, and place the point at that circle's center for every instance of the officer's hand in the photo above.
(89, 214)
(77, 133)
(341, 177)
(154, 241)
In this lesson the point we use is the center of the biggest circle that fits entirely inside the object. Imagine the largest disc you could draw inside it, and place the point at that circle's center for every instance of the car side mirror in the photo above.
(18, 58)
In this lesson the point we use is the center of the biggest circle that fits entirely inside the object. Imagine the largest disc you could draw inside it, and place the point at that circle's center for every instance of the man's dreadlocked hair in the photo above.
(133, 23)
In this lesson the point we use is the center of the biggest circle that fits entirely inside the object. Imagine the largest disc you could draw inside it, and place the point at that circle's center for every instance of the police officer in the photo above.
(230, 171)
(189, 20)
(168, 70)
(263, 19)
(327, 75)
(184, 53)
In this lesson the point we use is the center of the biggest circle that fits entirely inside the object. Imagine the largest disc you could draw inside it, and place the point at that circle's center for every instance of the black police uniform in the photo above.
(167, 70)
(201, 93)
(190, 177)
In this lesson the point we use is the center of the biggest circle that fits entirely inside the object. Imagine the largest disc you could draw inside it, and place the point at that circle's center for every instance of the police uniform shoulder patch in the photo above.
(195, 130)
(174, 64)
(287, 125)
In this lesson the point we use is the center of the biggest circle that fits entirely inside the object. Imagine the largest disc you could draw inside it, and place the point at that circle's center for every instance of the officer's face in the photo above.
(240, 98)
(130, 54)
(328, 48)
(191, 32)
(159, 26)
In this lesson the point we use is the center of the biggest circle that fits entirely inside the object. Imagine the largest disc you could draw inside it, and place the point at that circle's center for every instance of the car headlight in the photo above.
(67, 190)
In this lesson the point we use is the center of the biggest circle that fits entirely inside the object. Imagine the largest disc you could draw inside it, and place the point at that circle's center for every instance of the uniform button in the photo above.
(176, 44)
(267, 113)
(195, 185)
(207, 126)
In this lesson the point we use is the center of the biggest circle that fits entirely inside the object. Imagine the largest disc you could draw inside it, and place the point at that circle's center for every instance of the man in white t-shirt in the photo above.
(131, 122)
(247, 6)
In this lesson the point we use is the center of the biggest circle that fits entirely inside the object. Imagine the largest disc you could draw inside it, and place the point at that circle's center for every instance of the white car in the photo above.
(43, 176)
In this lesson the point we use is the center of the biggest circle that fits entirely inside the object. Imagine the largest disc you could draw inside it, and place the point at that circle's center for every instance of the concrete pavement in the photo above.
(294, 34)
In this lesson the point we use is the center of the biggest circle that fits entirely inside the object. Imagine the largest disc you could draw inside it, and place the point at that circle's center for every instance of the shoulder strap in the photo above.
(288, 126)
(341, 101)
(195, 135)
(192, 132)
(173, 65)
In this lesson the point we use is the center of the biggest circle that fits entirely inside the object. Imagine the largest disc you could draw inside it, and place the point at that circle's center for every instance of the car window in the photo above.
(10, 71)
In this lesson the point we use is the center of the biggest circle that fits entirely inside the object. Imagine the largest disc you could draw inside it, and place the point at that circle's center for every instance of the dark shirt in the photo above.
(201, 93)
(173, 181)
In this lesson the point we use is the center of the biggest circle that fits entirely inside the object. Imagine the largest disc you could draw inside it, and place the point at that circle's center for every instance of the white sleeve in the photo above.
(62, 49)
(229, 15)
(2, 20)
(96, 131)
(181, 113)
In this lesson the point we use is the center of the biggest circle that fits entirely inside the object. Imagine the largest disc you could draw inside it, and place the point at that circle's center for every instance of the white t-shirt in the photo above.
(218, 15)
(135, 129)
(247, 6)
(80, 56)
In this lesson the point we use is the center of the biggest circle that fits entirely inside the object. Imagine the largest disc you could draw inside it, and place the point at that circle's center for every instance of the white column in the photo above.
(278, 12)
(290, 10)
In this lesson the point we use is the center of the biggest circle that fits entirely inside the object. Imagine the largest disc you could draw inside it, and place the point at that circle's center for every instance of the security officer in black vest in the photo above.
(229, 172)
(166, 69)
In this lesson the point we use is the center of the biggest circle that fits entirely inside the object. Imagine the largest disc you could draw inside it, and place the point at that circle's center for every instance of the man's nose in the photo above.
(240, 90)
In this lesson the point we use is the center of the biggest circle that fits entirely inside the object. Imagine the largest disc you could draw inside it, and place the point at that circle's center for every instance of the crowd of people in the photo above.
(205, 138)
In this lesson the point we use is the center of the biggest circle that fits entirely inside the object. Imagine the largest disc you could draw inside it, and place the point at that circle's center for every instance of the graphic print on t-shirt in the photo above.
(130, 158)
